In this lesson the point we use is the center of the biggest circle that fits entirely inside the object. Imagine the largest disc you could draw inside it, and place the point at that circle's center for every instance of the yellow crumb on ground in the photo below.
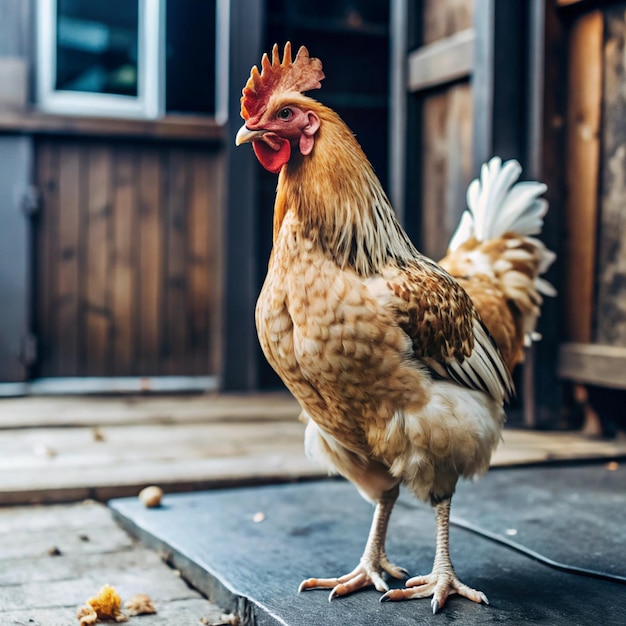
(107, 605)
(140, 604)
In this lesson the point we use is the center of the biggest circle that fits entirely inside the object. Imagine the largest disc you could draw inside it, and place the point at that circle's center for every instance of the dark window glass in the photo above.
(190, 56)
(97, 46)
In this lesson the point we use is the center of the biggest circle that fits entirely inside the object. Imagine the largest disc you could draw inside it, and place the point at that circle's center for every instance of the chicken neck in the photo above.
(340, 202)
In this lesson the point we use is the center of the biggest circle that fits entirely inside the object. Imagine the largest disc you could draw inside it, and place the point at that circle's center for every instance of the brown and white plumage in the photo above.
(397, 375)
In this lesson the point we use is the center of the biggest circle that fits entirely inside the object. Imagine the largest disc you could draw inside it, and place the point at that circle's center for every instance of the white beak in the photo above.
(245, 135)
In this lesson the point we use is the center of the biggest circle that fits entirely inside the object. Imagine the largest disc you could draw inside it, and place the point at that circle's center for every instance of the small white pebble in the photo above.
(43, 450)
(258, 517)
(511, 532)
(151, 496)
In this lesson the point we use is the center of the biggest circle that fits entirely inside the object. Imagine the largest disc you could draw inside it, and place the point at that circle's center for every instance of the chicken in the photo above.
(401, 370)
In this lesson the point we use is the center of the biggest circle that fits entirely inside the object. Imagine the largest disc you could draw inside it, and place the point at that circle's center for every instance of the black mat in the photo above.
(573, 514)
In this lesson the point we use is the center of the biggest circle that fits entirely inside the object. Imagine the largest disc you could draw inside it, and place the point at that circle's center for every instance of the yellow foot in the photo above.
(439, 586)
(364, 575)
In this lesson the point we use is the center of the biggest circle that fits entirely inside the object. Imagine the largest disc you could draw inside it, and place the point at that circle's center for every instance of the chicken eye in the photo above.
(285, 114)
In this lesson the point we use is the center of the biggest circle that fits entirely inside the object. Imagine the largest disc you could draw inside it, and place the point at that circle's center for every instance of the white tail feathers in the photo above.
(498, 204)
(495, 236)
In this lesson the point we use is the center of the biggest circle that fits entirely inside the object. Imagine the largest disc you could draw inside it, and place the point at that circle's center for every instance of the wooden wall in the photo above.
(128, 267)
(594, 256)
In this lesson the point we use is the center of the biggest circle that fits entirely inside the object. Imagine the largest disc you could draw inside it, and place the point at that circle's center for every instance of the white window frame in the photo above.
(149, 102)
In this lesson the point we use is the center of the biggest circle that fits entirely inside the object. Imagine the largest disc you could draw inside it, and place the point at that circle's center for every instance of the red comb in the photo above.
(302, 74)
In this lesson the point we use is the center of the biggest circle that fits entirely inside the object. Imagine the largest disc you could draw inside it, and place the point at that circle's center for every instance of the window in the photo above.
(132, 58)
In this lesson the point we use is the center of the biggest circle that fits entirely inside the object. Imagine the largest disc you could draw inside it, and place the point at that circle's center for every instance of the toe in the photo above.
(397, 595)
(417, 581)
(318, 583)
(393, 570)
(344, 588)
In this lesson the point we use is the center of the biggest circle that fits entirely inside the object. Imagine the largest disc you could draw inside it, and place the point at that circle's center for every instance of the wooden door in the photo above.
(128, 258)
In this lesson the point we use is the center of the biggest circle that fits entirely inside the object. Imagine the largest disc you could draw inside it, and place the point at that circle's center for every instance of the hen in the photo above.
(401, 370)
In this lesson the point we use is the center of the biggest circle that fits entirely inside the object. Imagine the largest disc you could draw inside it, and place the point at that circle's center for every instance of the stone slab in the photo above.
(318, 529)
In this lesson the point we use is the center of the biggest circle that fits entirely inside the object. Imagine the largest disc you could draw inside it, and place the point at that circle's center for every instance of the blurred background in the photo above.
(134, 238)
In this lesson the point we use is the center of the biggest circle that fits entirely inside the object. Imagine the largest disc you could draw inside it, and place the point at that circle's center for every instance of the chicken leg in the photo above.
(374, 561)
(442, 581)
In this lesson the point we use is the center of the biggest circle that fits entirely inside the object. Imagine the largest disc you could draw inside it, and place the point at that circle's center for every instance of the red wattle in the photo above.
(272, 160)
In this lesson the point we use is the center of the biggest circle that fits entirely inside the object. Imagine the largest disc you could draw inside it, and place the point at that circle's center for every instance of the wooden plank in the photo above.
(173, 127)
(442, 61)
(123, 304)
(175, 291)
(603, 365)
(46, 254)
(52, 450)
(545, 158)
(33, 412)
(398, 107)
(199, 272)
(150, 262)
(240, 344)
(67, 302)
(97, 255)
(16, 157)
(216, 266)
(442, 18)
(446, 158)
(459, 150)
(434, 174)
(611, 270)
(583, 150)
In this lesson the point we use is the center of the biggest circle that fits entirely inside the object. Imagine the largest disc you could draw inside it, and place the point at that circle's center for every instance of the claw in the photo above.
(435, 606)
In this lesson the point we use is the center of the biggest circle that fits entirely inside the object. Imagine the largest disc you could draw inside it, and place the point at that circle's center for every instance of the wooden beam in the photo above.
(593, 364)
(16, 156)
(175, 127)
(240, 346)
(442, 61)
(583, 152)
(499, 86)
(398, 117)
